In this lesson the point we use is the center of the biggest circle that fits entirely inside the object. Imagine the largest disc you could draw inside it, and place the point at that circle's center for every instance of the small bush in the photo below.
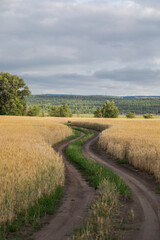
(130, 115)
(148, 115)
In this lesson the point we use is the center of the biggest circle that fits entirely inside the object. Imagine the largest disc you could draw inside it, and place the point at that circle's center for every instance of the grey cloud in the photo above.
(70, 40)
(134, 76)
(149, 3)
(63, 83)
(96, 84)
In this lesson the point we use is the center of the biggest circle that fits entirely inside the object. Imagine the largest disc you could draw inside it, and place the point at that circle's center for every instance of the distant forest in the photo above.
(88, 104)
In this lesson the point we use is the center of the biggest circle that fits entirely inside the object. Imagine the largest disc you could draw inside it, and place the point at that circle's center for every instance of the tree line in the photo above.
(54, 111)
(15, 99)
(13, 93)
(89, 104)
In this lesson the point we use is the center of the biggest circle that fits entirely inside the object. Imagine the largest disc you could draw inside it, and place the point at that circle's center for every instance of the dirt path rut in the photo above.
(73, 210)
(146, 202)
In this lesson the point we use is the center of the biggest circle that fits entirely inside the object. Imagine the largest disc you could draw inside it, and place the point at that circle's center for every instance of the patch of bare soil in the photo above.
(144, 220)
(73, 210)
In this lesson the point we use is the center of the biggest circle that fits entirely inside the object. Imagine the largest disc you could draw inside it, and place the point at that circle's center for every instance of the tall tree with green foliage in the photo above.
(13, 91)
(34, 110)
(109, 110)
(65, 111)
(60, 111)
(98, 113)
(54, 111)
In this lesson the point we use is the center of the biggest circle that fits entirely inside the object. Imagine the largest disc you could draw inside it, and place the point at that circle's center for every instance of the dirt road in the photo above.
(73, 210)
(78, 195)
(146, 203)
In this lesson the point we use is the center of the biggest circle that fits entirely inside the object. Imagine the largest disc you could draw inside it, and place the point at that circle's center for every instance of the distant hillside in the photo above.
(88, 104)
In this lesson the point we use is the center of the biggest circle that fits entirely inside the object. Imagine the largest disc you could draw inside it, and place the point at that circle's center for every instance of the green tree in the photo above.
(60, 111)
(54, 111)
(13, 91)
(42, 113)
(65, 111)
(98, 113)
(130, 115)
(34, 110)
(78, 113)
(110, 110)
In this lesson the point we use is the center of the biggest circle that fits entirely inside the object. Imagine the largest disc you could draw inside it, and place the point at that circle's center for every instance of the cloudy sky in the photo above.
(99, 47)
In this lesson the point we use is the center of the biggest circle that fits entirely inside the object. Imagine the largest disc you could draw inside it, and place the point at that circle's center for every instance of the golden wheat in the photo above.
(137, 140)
(100, 223)
(29, 167)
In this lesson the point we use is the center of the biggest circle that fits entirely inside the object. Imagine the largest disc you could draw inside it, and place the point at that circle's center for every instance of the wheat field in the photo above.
(137, 140)
(29, 167)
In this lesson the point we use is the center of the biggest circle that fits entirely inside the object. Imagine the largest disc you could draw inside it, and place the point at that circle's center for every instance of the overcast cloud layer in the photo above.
(109, 47)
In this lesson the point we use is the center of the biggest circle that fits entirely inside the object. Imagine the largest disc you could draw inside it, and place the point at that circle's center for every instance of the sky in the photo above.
(85, 47)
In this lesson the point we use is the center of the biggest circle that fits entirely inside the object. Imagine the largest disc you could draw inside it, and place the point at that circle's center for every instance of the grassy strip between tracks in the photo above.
(103, 218)
(76, 134)
(47, 204)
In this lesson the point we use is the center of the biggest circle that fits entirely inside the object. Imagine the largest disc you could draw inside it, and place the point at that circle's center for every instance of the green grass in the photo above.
(85, 131)
(94, 172)
(103, 221)
(122, 161)
(158, 189)
(47, 204)
(75, 135)
(83, 115)
(139, 116)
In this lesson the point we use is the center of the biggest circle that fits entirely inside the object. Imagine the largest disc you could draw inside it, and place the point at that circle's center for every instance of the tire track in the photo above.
(146, 202)
(78, 195)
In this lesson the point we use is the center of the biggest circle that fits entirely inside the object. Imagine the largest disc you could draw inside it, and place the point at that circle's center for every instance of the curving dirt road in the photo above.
(78, 195)
(73, 210)
(146, 203)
